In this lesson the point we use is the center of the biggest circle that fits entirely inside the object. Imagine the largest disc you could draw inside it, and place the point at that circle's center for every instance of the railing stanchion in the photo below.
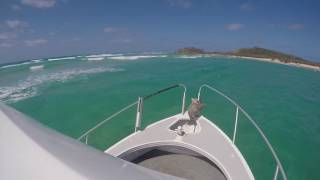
(183, 103)
(139, 114)
(87, 139)
(235, 126)
(199, 93)
(276, 173)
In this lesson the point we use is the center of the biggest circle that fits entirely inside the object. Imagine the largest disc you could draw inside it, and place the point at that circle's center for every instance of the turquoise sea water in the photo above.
(72, 95)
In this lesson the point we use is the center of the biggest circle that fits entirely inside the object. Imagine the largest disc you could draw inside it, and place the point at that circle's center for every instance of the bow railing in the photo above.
(139, 103)
(238, 108)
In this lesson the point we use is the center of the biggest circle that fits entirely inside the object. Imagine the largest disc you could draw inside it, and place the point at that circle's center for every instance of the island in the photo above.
(191, 51)
(255, 53)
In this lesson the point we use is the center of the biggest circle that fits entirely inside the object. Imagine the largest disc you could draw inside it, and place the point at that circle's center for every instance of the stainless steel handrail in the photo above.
(87, 133)
(238, 107)
(139, 104)
(169, 88)
(142, 99)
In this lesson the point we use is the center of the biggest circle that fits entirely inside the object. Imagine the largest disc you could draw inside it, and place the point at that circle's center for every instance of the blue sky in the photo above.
(31, 29)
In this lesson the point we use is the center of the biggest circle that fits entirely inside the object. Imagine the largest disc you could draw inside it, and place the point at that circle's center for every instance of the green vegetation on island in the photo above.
(255, 52)
(190, 51)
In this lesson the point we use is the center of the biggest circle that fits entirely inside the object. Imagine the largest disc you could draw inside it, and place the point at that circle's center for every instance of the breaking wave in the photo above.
(103, 55)
(95, 58)
(136, 57)
(28, 87)
(190, 57)
(63, 58)
(99, 57)
(22, 63)
(35, 61)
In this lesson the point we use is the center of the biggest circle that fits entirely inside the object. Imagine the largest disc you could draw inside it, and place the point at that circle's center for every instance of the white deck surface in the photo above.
(207, 140)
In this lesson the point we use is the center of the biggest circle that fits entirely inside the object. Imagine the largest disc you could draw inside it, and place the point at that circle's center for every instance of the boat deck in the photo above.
(205, 138)
(180, 165)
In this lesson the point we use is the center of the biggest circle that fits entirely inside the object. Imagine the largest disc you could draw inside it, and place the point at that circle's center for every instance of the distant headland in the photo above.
(255, 53)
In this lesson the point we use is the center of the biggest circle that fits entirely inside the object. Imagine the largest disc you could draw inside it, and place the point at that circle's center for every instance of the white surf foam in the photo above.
(99, 57)
(14, 65)
(36, 68)
(33, 61)
(189, 57)
(136, 57)
(28, 88)
(95, 58)
(21, 64)
(36, 60)
(63, 58)
(102, 55)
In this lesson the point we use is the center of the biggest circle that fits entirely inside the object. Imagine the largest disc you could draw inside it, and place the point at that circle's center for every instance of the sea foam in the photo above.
(103, 55)
(99, 57)
(95, 58)
(63, 58)
(189, 57)
(136, 57)
(36, 60)
(29, 87)
(21, 64)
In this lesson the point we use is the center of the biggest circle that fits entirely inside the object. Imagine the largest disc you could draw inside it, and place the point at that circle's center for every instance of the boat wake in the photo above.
(29, 87)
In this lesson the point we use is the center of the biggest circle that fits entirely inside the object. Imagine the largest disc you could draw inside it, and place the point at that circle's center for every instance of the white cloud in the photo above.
(5, 45)
(76, 39)
(125, 40)
(180, 3)
(114, 29)
(247, 7)
(234, 26)
(16, 7)
(296, 26)
(293, 26)
(7, 35)
(39, 3)
(109, 29)
(13, 24)
(11, 30)
(35, 42)
(119, 34)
